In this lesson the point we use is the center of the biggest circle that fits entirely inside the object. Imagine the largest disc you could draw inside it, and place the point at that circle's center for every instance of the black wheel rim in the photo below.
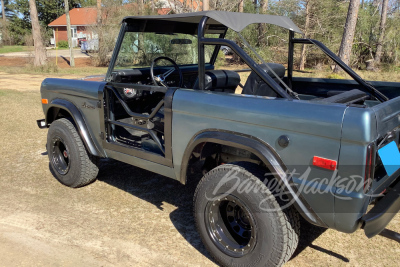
(60, 155)
(231, 226)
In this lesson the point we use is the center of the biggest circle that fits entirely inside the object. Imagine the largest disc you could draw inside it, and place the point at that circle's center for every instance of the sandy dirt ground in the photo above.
(128, 217)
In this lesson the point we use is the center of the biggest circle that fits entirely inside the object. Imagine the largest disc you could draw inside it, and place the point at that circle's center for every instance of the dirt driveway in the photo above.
(129, 217)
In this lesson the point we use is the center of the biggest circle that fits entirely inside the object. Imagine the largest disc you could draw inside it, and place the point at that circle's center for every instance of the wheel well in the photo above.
(211, 155)
(55, 113)
(219, 153)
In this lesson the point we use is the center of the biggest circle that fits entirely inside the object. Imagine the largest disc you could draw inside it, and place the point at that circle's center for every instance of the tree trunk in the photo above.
(40, 50)
(382, 28)
(206, 5)
(69, 34)
(262, 28)
(152, 6)
(348, 34)
(101, 54)
(98, 12)
(240, 6)
(141, 7)
(303, 56)
(3, 10)
(3, 14)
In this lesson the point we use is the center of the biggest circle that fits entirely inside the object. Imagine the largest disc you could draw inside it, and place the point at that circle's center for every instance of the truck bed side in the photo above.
(314, 129)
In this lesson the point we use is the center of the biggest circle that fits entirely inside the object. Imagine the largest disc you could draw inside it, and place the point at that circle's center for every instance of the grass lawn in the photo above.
(14, 48)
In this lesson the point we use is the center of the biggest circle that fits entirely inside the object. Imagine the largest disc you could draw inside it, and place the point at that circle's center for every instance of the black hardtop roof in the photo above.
(233, 20)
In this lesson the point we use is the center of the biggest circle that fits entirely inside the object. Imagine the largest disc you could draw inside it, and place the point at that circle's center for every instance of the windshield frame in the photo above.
(132, 27)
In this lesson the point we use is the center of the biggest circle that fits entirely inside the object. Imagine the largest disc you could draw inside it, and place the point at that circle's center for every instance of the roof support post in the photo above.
(116, 51)
(290, 59)
(201, 60)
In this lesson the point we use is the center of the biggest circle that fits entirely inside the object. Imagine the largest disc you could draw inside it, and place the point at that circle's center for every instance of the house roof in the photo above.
(88, 16)
(78, 16)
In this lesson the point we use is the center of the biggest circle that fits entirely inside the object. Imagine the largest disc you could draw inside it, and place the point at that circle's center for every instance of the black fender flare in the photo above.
(80, 123)
(264, 152)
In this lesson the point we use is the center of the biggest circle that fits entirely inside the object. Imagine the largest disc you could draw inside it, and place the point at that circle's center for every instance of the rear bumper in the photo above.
(41, 124)
(383, 211)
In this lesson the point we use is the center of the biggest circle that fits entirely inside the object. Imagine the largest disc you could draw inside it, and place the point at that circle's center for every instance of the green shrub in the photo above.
(62, 44)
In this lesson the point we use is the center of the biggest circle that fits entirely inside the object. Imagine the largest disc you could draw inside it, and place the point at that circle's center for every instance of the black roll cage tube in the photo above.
(250, 62)
(260, 72)
(134, 115)
(378, 95)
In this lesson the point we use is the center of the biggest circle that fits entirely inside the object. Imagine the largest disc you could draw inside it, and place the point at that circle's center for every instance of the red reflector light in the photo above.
(324, 163)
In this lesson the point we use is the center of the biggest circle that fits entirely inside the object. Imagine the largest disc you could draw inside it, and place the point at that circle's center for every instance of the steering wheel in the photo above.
(161, 78)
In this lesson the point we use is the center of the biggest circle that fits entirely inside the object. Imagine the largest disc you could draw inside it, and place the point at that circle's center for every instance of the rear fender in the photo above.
(264, 152)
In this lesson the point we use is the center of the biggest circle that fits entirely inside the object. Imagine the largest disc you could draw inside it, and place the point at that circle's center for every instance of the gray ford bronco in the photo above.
(273, 147)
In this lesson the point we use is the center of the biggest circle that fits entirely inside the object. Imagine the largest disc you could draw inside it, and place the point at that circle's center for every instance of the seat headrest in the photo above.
(277, 68)
(220, 79)
(256, 86)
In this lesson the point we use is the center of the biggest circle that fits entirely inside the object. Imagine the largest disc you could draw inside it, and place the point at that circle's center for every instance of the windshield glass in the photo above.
(138, 49)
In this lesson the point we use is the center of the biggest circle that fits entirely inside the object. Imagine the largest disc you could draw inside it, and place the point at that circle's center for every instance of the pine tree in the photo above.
(206, 5)
(382, 28)
(303, 55)
(261, 27)
(3, 10)
(40, 50)
(69, 34)
(348, 34)
(240, 6)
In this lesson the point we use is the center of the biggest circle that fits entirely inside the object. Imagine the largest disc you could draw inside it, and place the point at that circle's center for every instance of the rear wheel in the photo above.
(243, 227)
(70, 163)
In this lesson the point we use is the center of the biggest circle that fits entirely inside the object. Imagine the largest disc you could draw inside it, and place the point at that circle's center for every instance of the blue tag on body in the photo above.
(390, 157)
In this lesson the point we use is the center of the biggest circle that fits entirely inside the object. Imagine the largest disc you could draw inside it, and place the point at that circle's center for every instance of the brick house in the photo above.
(81, 19)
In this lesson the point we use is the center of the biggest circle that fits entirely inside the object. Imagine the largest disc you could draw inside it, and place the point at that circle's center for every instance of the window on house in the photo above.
(73, 32)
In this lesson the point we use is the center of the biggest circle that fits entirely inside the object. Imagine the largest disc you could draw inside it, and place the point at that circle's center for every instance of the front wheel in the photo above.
(242, 227)
(70, 163)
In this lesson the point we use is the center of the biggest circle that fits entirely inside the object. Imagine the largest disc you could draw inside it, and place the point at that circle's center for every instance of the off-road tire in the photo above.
(276, 231)
(81, 168)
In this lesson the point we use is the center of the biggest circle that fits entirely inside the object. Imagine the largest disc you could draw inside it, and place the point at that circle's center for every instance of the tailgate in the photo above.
(388, 126)
(387, 116)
